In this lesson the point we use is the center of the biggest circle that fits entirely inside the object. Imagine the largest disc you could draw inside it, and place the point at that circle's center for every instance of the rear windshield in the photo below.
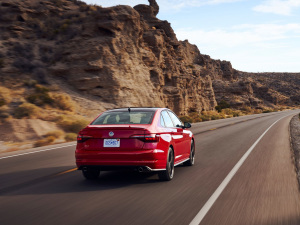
(124, 118)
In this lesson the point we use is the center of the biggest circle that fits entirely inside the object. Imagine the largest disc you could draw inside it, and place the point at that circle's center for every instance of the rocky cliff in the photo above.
(123, 56)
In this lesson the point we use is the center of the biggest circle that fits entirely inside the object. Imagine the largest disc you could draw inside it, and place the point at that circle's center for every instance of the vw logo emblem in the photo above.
(111, 134)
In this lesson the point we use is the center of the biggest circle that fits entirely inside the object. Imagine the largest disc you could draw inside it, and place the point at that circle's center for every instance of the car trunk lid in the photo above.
(125, 134)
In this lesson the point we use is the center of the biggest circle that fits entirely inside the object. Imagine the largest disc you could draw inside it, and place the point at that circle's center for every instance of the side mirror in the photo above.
(187, 125)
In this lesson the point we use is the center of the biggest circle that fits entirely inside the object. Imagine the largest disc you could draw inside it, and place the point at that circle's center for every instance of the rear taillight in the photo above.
(82, 138)
(147, 137)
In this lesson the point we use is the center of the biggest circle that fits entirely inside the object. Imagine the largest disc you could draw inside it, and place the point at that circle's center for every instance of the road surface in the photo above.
(243, 174)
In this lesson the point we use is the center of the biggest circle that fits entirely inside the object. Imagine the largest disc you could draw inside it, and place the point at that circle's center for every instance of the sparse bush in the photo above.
(205, 117)
(71, 137)
(197, 120)
(63, 101)
(5, 97)
(40, 97)
(236, 114)
(257, 111)
(72, 124)
(186, 119)
(84, 8)
(222, 105)
(227, 111)
(45, 141)
(4, 113)
(56, 134)
(247, 110)
(26, 110)
(30, 83)
(93, 8)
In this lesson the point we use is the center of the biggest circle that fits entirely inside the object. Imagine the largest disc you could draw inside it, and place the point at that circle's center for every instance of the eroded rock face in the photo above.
(123, 57)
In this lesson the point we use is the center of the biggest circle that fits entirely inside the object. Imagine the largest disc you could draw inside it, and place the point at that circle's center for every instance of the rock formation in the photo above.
(122, 56)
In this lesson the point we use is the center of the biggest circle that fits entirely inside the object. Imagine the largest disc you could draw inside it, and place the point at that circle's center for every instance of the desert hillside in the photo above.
(64, 58)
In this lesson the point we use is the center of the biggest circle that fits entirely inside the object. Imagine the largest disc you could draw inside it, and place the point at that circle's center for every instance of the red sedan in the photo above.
(144, 139)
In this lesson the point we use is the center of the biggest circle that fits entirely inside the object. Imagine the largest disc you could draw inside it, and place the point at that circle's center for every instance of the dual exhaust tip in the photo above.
(143, 169)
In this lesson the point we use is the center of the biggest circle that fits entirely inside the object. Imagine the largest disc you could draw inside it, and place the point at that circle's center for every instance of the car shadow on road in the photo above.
(45, 182)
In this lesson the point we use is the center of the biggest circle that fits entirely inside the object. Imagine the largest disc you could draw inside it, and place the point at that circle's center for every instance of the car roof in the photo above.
(135, 109)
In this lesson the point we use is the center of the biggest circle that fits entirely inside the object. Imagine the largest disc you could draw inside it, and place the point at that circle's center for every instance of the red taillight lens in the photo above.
(81, 138)
(147, 137)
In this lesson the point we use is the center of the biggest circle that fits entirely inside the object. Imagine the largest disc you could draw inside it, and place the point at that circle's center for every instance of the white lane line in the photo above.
(43, 150)
(201, 214)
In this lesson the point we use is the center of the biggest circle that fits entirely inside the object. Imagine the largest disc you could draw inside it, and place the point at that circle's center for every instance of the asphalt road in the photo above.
(40, 186)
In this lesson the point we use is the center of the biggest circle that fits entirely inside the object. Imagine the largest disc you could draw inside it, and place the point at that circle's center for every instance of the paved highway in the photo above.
(244, 174)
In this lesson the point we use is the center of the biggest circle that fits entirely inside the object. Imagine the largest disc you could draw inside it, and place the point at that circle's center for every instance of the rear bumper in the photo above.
(110, 168)
(150, 160)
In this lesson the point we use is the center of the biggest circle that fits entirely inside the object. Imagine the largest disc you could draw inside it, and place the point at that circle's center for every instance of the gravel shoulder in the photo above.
(295, 142)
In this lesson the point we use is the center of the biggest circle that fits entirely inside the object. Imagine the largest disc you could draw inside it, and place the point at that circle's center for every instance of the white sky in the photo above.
(255, 35)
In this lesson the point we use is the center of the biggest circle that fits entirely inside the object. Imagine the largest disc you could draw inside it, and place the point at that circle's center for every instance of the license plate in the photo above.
(112, 143)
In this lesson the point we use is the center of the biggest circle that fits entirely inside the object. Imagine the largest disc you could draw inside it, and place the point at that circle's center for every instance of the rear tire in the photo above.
(168, 174)
(90, 174)
(191, 160)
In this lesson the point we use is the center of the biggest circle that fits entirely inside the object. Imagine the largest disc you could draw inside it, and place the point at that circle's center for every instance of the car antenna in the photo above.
(129, 109)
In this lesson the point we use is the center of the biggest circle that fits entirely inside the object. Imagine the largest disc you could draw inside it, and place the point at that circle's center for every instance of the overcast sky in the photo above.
(256, 36)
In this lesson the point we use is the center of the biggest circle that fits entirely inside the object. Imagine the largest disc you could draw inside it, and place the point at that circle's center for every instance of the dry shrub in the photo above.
(72, 124)
(237, 113)
(71, 137)
(204, 117)
(45, 141)
(40, 96)
(30, 83)
(210, 115)
(93, 8)
(257, 111)
(63, 101)
(247, 110)
(227, 111)
(4, 113)
(5, 96)
(26, 110)
(186, 119)
(56, 134)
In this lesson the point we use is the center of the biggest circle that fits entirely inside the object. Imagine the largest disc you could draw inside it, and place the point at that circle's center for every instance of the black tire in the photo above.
(191, 160)
(168, 174)
(90, 174)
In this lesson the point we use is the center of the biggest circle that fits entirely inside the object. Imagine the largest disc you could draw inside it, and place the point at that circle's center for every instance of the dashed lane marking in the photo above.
(68, 171)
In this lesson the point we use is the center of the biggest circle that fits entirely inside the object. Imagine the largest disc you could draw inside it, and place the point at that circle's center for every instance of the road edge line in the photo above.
(42, 150)
(204, 210)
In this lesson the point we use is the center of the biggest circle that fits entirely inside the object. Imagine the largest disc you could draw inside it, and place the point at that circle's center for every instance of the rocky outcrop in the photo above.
(121, 56)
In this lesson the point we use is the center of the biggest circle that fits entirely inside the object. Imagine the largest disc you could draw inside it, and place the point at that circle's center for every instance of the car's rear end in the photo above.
(123, 138)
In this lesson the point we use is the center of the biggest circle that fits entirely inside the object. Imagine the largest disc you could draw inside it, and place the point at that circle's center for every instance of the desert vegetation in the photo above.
(223, 110)
(32, 100)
